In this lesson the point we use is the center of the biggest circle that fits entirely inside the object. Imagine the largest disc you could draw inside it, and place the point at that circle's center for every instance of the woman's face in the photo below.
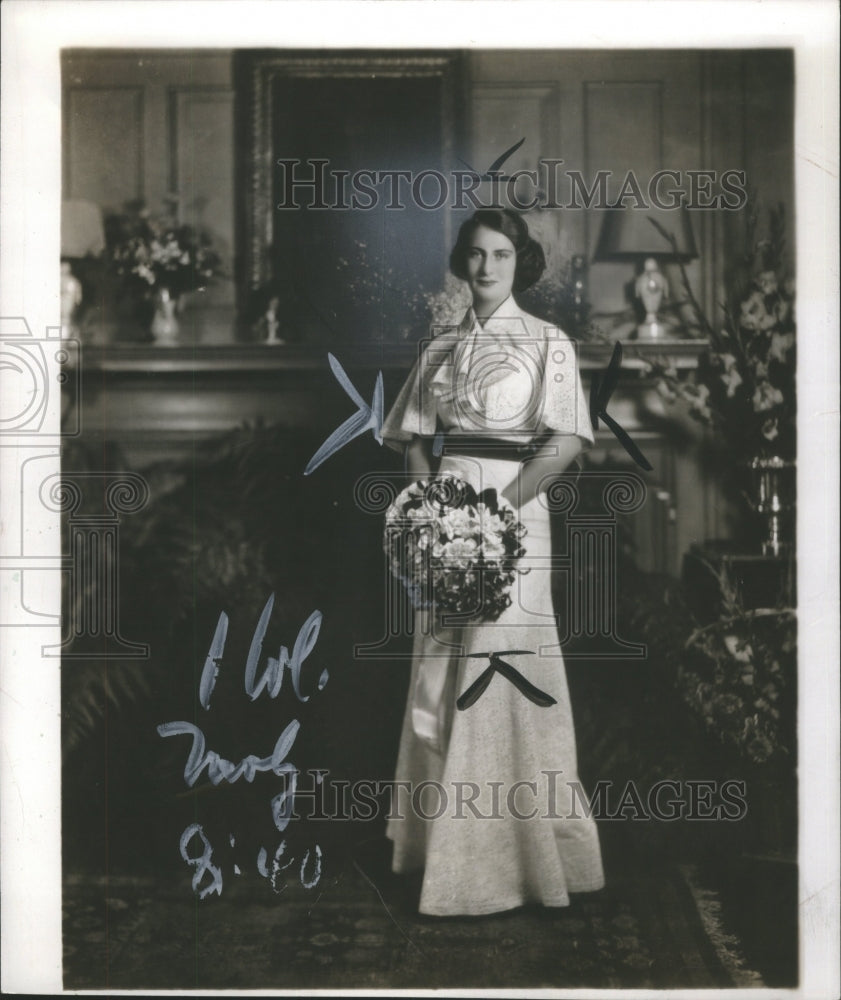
(491, 263)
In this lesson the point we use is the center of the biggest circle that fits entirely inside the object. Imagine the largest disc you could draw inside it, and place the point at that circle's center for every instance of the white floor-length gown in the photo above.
(507, 822)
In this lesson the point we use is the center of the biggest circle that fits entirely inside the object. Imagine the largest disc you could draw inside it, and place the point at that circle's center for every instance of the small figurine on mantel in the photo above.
(272, 322)
(71, 299)
(266, 310)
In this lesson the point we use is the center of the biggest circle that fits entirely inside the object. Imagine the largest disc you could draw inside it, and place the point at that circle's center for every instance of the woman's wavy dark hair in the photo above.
(530, 260)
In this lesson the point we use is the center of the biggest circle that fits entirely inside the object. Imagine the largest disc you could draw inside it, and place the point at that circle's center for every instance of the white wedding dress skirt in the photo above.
(504, 820)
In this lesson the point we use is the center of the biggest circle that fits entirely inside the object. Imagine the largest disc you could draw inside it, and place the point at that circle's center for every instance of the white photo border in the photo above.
(33, 35)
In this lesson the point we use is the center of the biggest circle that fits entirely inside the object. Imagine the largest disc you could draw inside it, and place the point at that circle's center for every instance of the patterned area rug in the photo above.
(360, 929)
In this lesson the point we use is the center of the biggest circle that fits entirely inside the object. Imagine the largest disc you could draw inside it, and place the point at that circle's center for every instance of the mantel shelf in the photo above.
(244, 359)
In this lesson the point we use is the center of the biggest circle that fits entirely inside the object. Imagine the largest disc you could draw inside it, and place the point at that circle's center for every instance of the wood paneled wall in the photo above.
(150, 125)
(641, 111)
(147, 124)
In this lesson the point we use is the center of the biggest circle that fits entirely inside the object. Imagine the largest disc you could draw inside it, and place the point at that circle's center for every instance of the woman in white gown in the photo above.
(490, 806)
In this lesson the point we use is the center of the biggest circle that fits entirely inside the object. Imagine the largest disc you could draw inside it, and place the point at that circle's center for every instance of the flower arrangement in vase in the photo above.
(744, 387)
(159, 259)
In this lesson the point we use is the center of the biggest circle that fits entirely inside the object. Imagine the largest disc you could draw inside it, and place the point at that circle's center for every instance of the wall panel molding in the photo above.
(104, 144)
(200, 137)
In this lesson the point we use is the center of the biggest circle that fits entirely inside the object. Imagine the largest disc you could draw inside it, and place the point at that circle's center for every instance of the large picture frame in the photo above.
(267, 82)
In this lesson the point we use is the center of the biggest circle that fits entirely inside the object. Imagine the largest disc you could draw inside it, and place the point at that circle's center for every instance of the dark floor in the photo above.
(359, 928)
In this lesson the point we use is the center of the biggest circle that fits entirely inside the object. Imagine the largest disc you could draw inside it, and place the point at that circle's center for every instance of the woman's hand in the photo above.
(553, 457)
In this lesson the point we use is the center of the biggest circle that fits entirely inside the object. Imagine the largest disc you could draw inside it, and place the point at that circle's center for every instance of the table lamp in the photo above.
(628, 235)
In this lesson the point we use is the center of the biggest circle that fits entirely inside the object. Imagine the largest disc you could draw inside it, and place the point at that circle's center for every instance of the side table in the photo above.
(760, 581)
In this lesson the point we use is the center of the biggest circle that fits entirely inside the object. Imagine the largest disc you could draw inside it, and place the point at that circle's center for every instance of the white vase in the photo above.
(164, 326)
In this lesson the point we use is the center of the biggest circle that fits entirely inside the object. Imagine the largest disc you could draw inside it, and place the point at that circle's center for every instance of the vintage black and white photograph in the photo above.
(428, 493)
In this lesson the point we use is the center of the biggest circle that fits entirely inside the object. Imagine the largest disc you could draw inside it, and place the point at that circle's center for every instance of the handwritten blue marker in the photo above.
(219, 769)
(272, 676)
(366, 417)
(212, 661)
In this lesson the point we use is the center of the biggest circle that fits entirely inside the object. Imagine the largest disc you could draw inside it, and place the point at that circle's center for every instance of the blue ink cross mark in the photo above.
(366, 417)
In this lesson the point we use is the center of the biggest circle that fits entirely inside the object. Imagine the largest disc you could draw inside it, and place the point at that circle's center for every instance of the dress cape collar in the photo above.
(507, 318)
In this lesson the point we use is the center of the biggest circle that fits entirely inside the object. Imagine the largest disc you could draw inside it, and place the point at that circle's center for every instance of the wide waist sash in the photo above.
(488, 447)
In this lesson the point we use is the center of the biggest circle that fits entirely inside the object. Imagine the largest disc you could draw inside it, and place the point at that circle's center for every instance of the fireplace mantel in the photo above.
(128, 360)
(159, 403)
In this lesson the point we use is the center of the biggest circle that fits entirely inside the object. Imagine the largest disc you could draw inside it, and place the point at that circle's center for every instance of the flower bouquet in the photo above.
(453, 548)
(151, 252)
(744, 387)
(745, 383)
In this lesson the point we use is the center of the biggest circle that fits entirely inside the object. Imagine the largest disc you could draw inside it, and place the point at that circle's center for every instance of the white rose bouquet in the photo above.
(454, 548)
